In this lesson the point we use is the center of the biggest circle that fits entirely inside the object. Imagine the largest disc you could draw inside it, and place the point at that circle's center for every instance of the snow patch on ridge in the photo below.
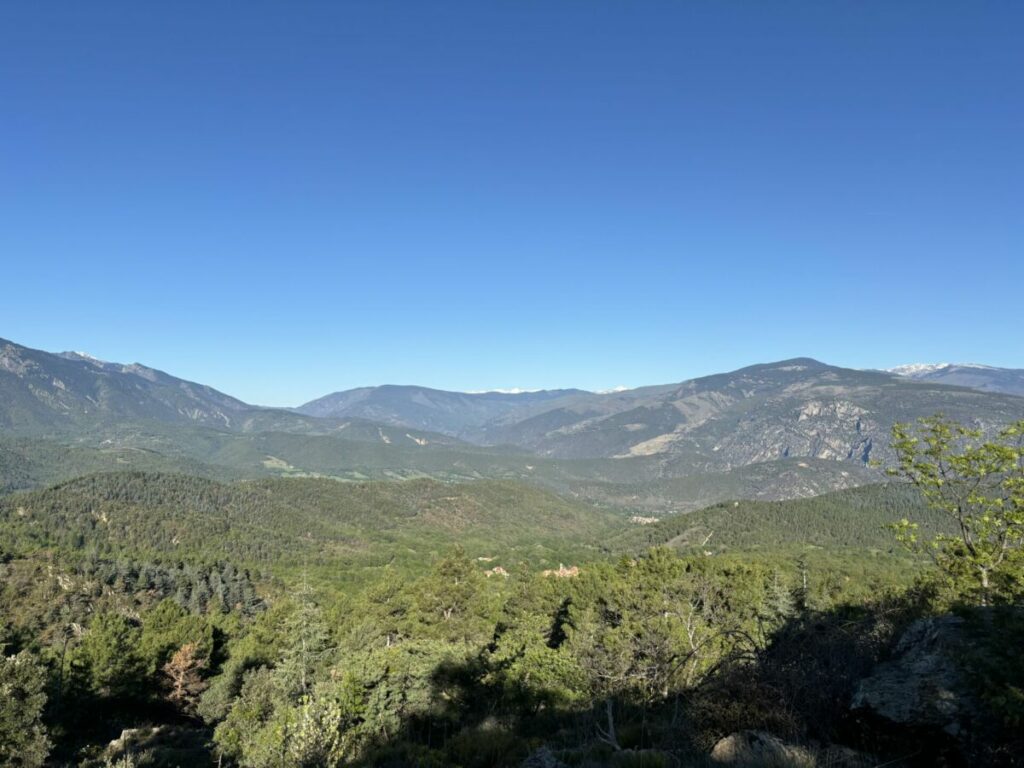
(923, 369)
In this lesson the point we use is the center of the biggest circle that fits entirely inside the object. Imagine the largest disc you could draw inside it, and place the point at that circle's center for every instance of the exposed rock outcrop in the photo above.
(921, 686)
(758, 749)
(752, 749)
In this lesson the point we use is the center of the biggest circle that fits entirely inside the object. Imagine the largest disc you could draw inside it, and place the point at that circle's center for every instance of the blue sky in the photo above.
(286, 199)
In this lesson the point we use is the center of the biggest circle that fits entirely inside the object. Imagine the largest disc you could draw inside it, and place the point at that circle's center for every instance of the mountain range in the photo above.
(1009, 381)
(792, 428)
(793, 408)
(453, 413)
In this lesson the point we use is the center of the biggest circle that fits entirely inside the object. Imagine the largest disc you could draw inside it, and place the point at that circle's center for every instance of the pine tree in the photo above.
(779, 603)
(307, 642)
(23, 739)
(109, 653)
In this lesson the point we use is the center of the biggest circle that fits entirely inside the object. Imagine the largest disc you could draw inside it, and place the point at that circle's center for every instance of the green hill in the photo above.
(286, 522)
(852, 518)
(27, 463)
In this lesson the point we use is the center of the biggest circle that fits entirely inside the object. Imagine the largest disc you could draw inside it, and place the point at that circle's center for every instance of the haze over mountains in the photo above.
(453, 413)
(792, 428)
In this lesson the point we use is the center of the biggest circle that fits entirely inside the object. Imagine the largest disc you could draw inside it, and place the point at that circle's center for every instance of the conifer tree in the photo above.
(23, 739)
(109, 652)
(307, 640)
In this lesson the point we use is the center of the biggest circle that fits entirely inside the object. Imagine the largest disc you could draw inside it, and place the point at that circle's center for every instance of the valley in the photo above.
(511, 385)
(790, 429)
(421, 557)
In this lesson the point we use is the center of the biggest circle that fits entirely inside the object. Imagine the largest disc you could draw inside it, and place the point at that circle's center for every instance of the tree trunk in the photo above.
(609, 709)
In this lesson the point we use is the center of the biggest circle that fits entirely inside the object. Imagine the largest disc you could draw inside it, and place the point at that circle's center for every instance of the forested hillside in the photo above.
(27, 463)
(645, 578)
(305, 621)
(290, 522)
(855, 518)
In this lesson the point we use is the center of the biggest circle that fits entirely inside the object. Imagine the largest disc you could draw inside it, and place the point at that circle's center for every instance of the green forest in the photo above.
(167, 619)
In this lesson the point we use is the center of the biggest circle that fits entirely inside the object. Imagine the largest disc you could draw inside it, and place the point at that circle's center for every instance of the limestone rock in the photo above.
(755, 749)
(132, 738)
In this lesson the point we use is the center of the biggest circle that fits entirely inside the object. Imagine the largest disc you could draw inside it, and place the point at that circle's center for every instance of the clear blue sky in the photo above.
(286, 199)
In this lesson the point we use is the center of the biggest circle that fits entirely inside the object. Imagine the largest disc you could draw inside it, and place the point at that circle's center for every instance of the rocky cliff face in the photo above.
(796, 408)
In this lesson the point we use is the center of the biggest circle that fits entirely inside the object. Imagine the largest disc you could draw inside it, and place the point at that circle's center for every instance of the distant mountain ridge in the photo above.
(986, 378)
(793, 408)
(454, 413)
(777, 430)
(42, 391)
(70, 394)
